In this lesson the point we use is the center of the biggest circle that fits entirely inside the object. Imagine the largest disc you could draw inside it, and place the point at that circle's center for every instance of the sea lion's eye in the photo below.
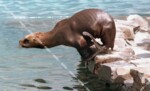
(26, 41)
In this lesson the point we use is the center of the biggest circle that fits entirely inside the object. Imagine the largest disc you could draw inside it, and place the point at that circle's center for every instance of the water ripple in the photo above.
(35, 69)
(39, 8)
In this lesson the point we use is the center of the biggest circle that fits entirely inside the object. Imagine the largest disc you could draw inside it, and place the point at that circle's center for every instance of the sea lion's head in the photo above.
(32, 40)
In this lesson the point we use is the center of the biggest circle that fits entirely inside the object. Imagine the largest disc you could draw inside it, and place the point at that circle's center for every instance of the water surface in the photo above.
(34, 69)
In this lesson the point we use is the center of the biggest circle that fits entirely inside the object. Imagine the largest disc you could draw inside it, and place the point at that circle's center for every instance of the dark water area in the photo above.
(34, 69)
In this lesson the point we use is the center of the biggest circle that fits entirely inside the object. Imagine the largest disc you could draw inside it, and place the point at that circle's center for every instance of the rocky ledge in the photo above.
(129, 63)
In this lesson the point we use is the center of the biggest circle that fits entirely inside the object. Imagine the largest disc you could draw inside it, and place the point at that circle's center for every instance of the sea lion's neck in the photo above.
(50, 39)
(59, 36)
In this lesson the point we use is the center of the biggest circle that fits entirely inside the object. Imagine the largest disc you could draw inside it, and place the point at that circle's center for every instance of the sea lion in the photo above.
(69, 32)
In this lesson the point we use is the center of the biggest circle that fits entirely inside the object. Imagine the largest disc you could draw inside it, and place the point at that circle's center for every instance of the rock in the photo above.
(104, 73)
(126, 30)
(126, 54)
(128, 64)
(147, 85)
(108, 58)
(119, 44)
(139, 21)
(142, 39)
(138, 80)
(135, 78)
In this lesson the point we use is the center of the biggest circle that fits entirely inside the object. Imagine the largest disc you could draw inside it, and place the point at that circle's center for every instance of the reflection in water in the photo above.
(38, 87)
(67, 88)
(92, 82)
(40, 80)
(34, 68)
(44, 87)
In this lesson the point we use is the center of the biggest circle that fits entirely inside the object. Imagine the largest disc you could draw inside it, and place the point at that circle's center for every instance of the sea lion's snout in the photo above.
(21, 42)
(29, 43)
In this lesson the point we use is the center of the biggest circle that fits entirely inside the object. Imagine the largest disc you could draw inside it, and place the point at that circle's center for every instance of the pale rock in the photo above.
(125, 29)
(117, 67)
(119, 44)
(139, 20)
(127, 54)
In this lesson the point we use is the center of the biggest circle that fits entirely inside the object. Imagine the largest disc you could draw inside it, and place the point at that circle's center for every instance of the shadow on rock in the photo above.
(144, 55)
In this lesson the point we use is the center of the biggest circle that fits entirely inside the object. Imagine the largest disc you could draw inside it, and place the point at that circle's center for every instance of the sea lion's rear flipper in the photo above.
(94, 41)
(100, 49)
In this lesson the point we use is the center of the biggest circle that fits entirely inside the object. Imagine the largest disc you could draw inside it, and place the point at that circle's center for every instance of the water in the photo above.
(53, 8)
(36, 69)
